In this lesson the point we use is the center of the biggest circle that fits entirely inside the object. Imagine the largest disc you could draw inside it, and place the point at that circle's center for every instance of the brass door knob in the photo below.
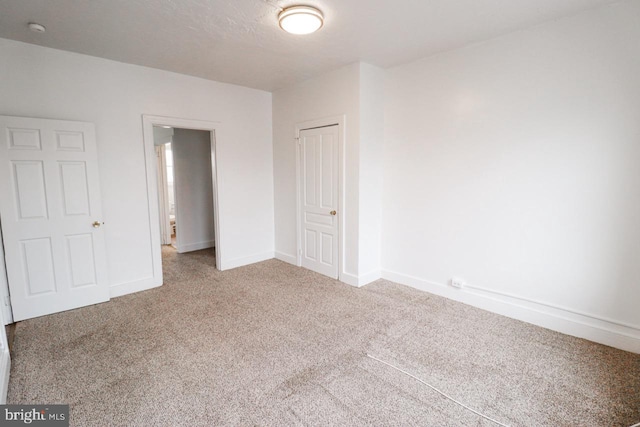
(96, 224)
(333, 212)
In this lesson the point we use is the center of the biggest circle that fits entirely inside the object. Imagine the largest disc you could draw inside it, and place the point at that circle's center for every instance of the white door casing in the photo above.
(5, 304)
(163, 195)
(215, 128)
(5, 360)
(318, 198)
(51, 215)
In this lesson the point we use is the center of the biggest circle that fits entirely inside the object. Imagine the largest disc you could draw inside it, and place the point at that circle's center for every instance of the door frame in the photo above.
(6, 311)
(163, 194)
(5, 361)
(214, 129)
(340, 121)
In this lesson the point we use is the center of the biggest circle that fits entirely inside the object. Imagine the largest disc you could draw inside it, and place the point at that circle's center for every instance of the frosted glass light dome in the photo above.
(300, 20)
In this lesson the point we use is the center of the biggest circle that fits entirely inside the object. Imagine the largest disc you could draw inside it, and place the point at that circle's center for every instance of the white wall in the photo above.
(193, 190)
(357, 92)
(514, 165)
(48, 83)
(372, 80)
(331, 94)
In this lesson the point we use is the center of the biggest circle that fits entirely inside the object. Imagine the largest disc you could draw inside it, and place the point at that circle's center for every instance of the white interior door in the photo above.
(319, 199)
(51, 216)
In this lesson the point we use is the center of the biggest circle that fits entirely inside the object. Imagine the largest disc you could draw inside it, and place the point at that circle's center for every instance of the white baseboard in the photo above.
(239, 262)
(603, 331)
(357, 281)
(190, 247)
(349, 279)
(367, 278)
(5, 369)
(291, 259)
(121, 289)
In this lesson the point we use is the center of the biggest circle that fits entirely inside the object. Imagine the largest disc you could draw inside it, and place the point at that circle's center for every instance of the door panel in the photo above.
(31, 202)
(319, 199)
(75, 189)
(37, 261)
(81, 260)
(24, 139)
(49, 200)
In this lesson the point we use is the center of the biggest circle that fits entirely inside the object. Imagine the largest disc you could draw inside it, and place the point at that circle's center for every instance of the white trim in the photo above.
(349, 279)
(242, 261)
(590, 327)
(5, 369)
(6, 311)
(5, 361)
(553, 306)
(341, 121)
(362, 280)
(372, 276)
(291, 259)
(163, 194)
(126, 288)
(196, 246)
(214, 128)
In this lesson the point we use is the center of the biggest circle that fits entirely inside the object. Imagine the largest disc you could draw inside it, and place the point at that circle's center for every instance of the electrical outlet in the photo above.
(457, 282)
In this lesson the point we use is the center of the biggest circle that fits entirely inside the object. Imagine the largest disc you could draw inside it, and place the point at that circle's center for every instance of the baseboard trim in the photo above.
(367, 278)
(239, 262)
(358, 281)
(190, 247)
(349, 279)
(126, 288)
(5, 370)
(291, 259)
(599, 330)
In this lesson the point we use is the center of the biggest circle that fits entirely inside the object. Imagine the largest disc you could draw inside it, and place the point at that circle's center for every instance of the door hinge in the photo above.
(7, 301)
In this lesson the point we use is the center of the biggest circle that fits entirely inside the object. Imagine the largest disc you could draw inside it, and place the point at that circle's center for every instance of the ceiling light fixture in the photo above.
(36, 28)
(300, 20)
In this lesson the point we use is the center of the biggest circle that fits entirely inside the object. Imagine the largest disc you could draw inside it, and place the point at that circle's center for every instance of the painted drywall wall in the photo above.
(48, 83)
(357, 92)
(331, 94)
(372, 80)
(513, 164)
(193, 190)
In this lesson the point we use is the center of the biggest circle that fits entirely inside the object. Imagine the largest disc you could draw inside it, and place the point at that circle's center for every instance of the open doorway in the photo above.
(182, 187)
(162, 139)
(185, 188)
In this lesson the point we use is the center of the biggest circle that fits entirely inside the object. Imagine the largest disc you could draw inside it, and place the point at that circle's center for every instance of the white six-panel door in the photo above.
(51, 216)
(319, 199)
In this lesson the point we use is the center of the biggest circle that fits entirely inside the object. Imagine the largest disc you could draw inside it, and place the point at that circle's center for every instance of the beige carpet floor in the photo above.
(272, 344)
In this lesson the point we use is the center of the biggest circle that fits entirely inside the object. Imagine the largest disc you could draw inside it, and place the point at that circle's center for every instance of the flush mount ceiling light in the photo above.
(300, 19)
(36, 28)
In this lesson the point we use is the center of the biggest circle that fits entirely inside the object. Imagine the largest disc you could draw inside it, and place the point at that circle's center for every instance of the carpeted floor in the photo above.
(272, 344)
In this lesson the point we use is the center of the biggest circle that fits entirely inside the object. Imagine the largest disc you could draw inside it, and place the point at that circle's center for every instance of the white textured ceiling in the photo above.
(239, 41)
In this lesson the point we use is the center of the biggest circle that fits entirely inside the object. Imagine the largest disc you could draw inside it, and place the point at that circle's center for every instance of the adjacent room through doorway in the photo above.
(185, 188)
